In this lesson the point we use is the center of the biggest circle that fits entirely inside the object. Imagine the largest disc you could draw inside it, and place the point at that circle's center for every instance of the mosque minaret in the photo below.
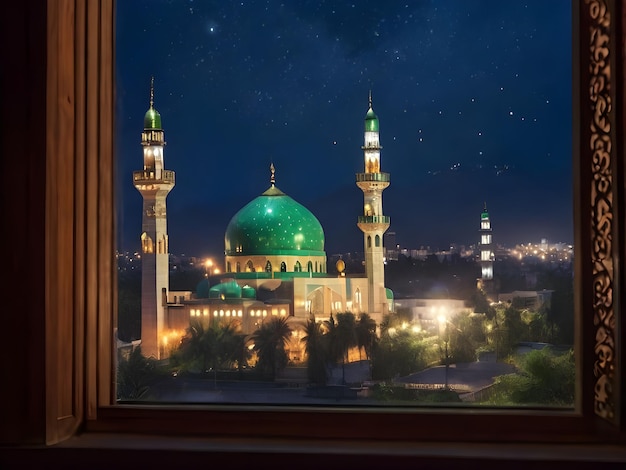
(154, 183)
(373, 223)
(486, 251)
(486, 281)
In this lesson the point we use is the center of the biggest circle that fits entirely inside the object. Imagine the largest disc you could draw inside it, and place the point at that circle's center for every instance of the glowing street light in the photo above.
(208, 268)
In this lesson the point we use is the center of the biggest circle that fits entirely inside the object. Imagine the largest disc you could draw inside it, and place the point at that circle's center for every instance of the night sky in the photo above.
(473, 96)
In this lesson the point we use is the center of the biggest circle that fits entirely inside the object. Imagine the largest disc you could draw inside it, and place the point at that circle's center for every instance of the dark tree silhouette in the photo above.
(365, 334)
(315, 348)
(269, 343)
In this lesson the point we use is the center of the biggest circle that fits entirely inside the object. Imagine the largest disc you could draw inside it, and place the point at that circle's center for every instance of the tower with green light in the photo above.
(373, 223)
(154, 183)
(486, 281)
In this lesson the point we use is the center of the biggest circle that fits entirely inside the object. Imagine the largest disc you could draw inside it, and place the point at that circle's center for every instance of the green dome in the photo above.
(248, 292)
(152, 119)
(371, 121)
(225, 290)
(202, 289)
(274, 224)
(484, 214)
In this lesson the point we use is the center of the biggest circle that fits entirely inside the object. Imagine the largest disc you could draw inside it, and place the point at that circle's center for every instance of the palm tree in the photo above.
(223, 345)
(135, 375)
(331, 342)
(226, 344)
(269, 343)
(365, 334)
(207, 347)
(386, 323)
(346, 338)
(242, 352)
(190, 355)
(315, 351)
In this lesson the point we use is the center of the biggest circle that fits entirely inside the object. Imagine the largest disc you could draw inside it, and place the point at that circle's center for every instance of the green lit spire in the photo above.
(152, 119)
(484, 214)
(371, 120)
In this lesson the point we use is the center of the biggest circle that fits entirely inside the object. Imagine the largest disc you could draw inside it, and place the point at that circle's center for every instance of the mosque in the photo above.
(274, 265)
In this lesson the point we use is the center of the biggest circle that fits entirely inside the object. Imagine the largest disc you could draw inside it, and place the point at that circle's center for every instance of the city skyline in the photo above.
(474, 101)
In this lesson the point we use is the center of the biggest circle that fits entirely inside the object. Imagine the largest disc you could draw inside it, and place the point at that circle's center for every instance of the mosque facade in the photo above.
(274, 259)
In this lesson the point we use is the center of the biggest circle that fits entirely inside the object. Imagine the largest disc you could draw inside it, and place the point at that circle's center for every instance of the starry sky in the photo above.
(474, 99)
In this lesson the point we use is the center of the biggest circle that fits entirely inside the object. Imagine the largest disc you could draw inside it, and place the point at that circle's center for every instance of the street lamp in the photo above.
(444, 322)
(208, 264)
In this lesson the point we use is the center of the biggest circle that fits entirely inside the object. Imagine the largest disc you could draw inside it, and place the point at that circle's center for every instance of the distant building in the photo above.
(531, 300)
(391, 248)
(486, 282)
(426, 314)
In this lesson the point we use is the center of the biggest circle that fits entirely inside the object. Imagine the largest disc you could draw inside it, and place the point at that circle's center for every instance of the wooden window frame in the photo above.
(69, 214)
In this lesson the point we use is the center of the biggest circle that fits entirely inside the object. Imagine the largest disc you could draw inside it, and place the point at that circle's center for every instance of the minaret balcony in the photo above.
(374, 219)
(151, 176)
(374, 177)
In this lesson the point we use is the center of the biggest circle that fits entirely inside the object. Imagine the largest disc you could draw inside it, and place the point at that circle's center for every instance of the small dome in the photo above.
(248, 292)
(388, 293)
(225, 290)
(371, 121)
(152, 119)
(274, 224)
(202, 289)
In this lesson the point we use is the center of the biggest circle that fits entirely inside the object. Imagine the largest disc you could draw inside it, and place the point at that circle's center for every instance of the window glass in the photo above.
(465, 108)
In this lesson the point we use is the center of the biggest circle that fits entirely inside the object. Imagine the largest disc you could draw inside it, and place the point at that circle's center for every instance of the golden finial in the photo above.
(273, 174)
(152, 92)
(370, 98)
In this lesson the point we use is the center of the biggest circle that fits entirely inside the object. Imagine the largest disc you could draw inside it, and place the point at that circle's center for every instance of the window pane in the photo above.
(271, 132)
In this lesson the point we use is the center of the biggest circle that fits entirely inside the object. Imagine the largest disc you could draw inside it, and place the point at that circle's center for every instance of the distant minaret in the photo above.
(373, 223)
(154, 183)
(486, 253)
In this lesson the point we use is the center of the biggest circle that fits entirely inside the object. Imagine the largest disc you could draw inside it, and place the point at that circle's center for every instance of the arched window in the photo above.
(369, 241)
(146, 243)
(309, 266)
(227, 266)
(377, 240)
(238, 267)
(357, 299)
(268, 267)
(283, 267)
(249, 266)
(298, 267)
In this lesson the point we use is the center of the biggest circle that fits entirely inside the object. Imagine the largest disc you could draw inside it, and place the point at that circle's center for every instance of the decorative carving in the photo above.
(602, 207)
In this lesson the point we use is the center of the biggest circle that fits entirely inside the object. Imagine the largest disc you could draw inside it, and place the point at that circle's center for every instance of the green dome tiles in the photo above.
(202, 289)
(152, 119)
(371, 121)
(248, 292)
(225, 290)
(274, 224)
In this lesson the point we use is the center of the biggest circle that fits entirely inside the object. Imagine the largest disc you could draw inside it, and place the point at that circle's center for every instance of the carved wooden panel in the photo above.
(602, 127)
